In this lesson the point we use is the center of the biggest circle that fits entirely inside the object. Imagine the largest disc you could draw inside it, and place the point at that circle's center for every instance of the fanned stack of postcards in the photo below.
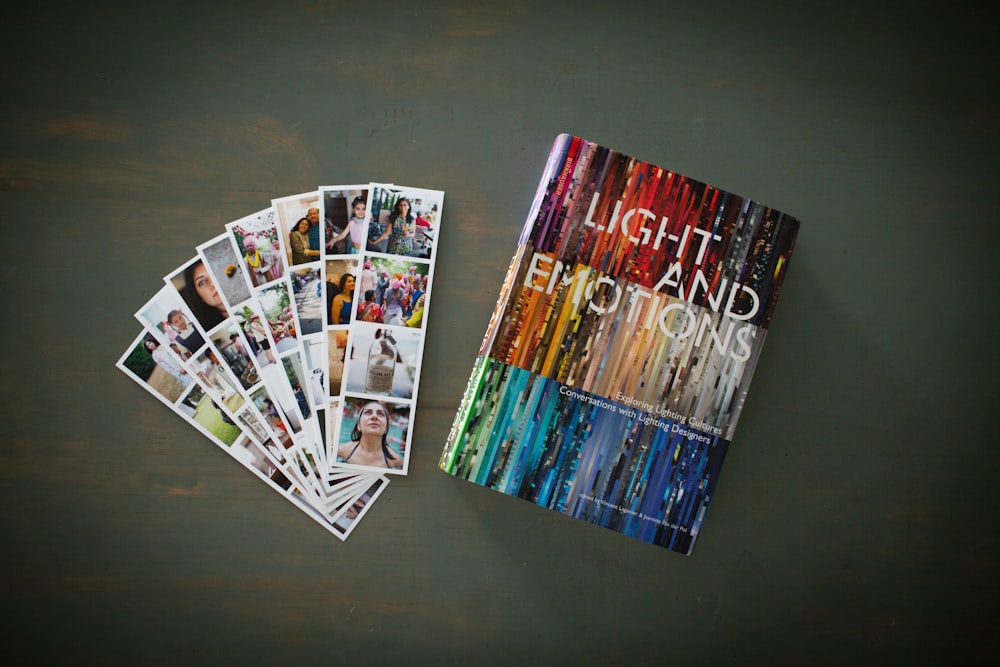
(293, 341)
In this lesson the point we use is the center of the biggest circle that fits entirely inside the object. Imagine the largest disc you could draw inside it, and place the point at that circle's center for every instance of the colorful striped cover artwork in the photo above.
(618, 357)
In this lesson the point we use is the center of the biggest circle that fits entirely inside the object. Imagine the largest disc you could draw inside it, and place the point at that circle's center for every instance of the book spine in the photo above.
(558, 169)
(451, 450)
(560, 146)
(506, 289)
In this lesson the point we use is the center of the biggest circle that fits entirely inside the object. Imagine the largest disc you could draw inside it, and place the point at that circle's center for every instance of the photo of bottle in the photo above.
(381, 364)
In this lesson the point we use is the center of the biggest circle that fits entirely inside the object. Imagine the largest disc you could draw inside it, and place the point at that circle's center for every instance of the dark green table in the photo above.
(856, 517)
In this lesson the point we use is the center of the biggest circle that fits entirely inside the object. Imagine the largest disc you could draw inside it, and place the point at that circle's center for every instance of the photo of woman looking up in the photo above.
(369, 440)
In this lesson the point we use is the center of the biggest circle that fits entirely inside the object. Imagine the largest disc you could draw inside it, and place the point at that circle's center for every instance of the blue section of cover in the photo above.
(580, 454)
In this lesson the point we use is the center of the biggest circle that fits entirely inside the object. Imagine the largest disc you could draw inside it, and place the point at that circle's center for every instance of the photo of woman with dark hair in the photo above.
(202, 296)
(400, 229)
(369, 443)
(298, 242)
(343, 298)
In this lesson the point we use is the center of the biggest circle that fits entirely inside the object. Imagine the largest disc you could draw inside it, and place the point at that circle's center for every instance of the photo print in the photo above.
(384, 361)
(276, 307)
(344, 525)
(215, 377)
(345, 219)
(236, 353)
(256, 240)
(257, 335)
(374, 434)
(403, 221)
(196, 286)
(152, 363)
(299, 228)
(202, 409)
(227, 268)
(251, 455)
(393, 291)
(251, 424)
(276, 415)
(336, 351)
(314, 356)
(339, 290)
(307, 289)
(169, 319)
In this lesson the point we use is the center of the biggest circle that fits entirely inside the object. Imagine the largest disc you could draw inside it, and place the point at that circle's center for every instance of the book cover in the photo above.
(618, 357)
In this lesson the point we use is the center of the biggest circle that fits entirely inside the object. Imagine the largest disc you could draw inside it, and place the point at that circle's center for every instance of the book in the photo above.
(617, 359)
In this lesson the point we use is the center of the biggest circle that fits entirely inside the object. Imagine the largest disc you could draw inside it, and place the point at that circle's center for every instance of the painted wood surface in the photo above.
(855, 519)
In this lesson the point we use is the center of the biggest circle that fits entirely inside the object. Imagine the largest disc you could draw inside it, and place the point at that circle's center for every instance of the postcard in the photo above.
(345, 524)
(169, 319)
(377, 300)
(255, 238)
(191, 402)
(227, 269)
(345, 223)
(299, 230)
(293, 340)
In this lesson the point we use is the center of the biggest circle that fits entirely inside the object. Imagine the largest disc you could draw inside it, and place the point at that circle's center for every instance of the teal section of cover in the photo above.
(597, 460)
